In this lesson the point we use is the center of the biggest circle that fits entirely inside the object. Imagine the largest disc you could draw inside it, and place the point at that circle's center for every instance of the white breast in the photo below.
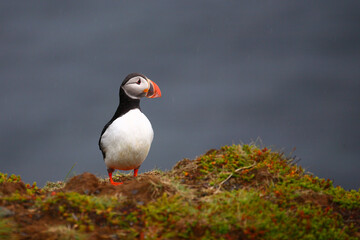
(127, 141)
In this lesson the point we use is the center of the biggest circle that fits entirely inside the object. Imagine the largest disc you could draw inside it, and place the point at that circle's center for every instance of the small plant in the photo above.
(12, 178)
(52, 186)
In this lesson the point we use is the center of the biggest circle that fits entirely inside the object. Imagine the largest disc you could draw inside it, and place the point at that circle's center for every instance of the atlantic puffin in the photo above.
(126, 139)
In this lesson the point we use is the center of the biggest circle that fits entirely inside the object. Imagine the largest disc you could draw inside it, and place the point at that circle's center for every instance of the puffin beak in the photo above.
(153, 91)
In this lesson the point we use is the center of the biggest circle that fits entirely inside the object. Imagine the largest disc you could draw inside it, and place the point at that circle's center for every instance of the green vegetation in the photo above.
(5, 229)
(236, 192)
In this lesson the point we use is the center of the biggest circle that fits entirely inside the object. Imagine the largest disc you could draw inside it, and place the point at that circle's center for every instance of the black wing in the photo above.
(116, 115)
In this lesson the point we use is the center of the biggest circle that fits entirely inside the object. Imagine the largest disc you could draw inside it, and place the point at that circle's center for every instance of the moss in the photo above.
(85, 211)
(238, 191)
(6, 229)
(240, 213)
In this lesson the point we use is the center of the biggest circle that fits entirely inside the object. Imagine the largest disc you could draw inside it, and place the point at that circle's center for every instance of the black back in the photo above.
(126, 104)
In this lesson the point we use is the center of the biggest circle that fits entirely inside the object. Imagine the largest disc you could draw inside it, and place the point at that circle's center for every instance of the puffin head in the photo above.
(137, 85)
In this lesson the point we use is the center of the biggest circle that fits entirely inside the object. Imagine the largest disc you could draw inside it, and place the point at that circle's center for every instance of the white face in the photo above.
(136, 87)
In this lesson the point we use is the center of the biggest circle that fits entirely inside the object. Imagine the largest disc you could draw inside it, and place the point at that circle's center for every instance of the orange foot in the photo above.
(112, 181)
(135, 172)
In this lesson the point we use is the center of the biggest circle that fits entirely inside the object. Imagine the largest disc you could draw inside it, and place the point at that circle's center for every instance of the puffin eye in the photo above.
(138, 82)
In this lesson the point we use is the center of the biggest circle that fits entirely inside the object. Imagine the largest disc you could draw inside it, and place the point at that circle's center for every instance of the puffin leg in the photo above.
(110, 171)
(136, 171)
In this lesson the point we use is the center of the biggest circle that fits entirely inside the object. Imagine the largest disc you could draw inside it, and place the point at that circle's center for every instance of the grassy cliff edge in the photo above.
(235, 192)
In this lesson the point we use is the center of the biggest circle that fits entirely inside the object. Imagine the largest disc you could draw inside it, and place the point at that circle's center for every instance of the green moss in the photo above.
(240, 212)
(238, 191)
(346, 199)
(6, 229)
(164, 215)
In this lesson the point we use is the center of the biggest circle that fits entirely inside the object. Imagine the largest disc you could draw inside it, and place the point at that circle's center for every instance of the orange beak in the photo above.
(153, 91)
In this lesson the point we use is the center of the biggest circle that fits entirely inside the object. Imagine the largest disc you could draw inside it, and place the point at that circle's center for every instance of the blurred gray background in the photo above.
(287, 73)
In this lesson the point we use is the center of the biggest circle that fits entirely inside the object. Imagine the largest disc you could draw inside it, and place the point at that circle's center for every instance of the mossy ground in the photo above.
(236, 192)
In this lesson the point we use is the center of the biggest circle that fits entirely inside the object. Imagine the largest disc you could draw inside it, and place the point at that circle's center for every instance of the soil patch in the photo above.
(187, 171)
(262, 176)
(315, 198)
(8, 188)
(88, 184)
(142, 189)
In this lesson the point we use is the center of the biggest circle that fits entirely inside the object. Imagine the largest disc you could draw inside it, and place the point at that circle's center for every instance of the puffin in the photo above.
(126, 139)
